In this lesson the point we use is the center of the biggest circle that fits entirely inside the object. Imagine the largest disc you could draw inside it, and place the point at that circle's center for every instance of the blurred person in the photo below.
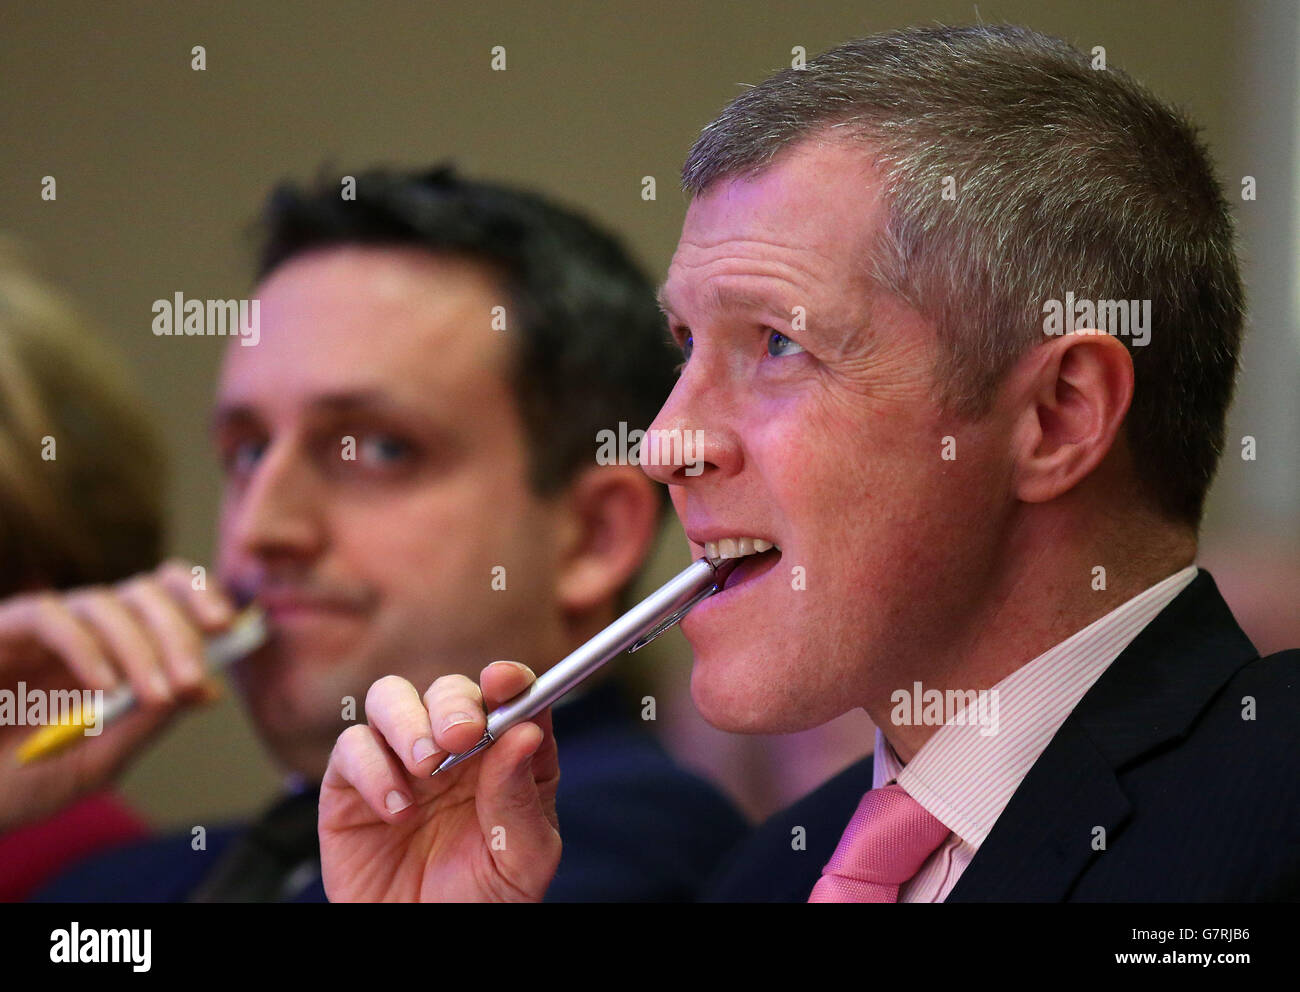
(81, 482)
(411, 487)
(955, 497)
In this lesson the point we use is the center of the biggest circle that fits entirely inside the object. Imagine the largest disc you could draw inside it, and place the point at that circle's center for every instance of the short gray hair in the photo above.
(1068, 178)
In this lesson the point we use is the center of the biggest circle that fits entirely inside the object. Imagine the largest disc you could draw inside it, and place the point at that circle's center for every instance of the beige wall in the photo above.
(160, 168)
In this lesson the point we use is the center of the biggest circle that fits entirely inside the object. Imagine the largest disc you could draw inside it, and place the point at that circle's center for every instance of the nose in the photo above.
(278, 513)
(692, 437)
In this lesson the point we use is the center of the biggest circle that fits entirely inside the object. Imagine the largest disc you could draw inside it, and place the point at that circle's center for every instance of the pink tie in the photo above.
(887, 841)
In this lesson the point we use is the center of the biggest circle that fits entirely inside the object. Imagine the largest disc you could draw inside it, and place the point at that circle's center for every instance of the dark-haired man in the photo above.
(412, 489)
(984, 532)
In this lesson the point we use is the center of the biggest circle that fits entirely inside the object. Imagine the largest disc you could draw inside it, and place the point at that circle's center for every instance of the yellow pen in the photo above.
(247, 634)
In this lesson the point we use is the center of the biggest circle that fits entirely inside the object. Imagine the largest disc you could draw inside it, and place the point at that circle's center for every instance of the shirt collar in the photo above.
(964, 775)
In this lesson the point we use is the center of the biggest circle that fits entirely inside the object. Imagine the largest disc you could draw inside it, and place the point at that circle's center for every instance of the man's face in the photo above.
(376, 488)
(821, 435)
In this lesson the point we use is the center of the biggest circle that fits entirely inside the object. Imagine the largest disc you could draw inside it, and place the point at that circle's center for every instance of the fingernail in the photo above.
(455, 720)
(395, 802)
(423, 748)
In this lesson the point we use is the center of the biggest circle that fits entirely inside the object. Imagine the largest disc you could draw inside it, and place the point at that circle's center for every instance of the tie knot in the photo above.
(886, 842)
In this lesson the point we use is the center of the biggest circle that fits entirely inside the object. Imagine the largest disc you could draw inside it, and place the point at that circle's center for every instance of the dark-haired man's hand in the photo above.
(146, 631)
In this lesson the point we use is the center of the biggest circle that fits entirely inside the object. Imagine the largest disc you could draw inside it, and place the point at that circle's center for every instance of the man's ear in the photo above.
(1072, 394)
(613, 518)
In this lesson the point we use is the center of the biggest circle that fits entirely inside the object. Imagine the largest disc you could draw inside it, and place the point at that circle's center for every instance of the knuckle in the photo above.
(174, 566)
(139, 586)
(96, 598)
(452, 687)
(384, 688)
(48, 607)
(352, 738)
(174, 573)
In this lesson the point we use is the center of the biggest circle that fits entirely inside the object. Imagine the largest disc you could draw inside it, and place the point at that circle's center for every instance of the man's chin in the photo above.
(759, 691)
(734, 703)
(294, 720)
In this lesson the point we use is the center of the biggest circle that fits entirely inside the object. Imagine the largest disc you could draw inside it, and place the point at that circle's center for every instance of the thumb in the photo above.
(521, 840)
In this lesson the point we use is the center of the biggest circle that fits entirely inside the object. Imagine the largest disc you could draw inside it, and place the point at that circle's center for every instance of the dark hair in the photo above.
(1069, 178)
(590, 343)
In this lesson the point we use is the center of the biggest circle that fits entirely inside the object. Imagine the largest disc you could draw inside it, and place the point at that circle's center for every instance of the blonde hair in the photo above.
(81, 468)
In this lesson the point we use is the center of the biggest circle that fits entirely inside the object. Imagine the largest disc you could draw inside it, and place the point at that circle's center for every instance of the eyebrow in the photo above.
(728, 298)
(334, 403)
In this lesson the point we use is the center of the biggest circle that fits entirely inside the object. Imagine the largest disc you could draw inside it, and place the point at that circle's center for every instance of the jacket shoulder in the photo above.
(637, 826)
(159, 869)
(783, 858)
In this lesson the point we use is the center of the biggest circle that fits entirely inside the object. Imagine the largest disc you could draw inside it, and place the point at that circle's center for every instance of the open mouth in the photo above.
(753, 556)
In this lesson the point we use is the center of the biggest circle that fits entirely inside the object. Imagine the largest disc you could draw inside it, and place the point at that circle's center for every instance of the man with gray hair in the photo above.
(939, 493)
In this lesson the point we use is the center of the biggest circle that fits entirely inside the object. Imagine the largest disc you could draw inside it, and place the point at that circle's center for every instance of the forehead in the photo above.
(803, 224)
(400, 321)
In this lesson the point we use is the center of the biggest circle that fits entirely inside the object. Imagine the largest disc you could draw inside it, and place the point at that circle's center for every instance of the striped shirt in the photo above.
(966, 777)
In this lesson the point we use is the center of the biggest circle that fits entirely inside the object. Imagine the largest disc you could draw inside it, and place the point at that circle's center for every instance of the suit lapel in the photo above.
(1151, 694)
(1042, 840)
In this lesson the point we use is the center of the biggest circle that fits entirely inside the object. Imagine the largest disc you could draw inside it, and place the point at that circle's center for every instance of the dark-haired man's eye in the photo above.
(241, 458)
(383, 450)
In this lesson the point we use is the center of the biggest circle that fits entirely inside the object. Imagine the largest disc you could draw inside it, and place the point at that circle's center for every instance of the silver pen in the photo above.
(633, 630)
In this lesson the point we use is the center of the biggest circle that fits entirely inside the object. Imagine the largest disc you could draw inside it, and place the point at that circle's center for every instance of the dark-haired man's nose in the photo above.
(278, 513)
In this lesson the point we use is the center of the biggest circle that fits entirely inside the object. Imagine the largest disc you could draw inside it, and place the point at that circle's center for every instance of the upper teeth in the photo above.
(736, 547)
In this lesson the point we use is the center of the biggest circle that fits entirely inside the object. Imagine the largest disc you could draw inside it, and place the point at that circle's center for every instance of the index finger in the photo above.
(209, 607)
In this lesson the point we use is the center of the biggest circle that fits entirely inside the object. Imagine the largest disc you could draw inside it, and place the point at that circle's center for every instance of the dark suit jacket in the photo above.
(1197, 802)
(636, 827)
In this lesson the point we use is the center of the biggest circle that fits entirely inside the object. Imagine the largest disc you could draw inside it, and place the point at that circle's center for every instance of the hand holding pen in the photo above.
(450, 797)
(145, 636)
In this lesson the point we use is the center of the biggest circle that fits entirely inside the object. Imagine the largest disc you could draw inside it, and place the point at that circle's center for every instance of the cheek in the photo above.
(865, 502)
(821, 468)
(462, 555)
(227, 551)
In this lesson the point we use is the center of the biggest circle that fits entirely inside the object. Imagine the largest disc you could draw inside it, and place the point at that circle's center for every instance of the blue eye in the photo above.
(779, 345)
(687, 347)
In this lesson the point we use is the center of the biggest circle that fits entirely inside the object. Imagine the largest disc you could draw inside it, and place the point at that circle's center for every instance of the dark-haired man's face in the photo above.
(375, 499)
(821, 434)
